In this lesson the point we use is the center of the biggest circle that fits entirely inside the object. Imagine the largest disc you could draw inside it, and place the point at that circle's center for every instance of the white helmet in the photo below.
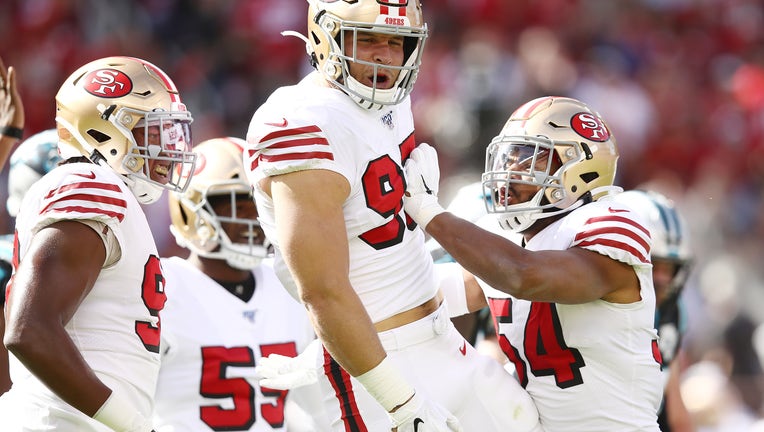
(105, 105)
(31, 160)
(330, 20)
(668, 230)
(579, 151)
(219, 175)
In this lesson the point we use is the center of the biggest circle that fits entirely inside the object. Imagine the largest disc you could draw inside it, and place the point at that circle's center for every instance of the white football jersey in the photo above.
(592, 366)
(211, 342)
(116, 326)
(308, 126)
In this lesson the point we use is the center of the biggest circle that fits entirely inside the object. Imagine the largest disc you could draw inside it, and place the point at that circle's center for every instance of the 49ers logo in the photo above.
(590, 127)
(107, 83)
(395, 21)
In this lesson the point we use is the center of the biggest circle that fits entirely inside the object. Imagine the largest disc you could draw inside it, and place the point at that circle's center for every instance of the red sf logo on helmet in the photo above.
(107, 83)
(590, 127)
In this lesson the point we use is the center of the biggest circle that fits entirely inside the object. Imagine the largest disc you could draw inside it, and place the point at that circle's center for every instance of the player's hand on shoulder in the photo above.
(422, 415)
(422, 179)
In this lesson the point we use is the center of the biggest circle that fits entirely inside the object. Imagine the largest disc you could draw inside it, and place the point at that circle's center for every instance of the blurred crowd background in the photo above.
(680, 82)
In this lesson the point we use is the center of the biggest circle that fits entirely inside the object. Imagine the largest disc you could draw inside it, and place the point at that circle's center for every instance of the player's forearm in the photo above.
(6, 145)
(50, 355)
(344, 327)
(488, 256)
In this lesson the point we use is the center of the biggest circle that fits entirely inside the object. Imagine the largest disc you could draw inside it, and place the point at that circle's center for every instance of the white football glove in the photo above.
(420, 415)
(422, 178)
(285, 373)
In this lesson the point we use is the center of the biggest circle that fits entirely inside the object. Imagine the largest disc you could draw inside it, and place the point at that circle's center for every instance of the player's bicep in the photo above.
(577, 275)
(311, 226)
(59, 269)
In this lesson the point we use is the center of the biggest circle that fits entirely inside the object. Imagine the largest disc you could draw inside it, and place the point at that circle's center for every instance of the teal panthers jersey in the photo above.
(6, 254)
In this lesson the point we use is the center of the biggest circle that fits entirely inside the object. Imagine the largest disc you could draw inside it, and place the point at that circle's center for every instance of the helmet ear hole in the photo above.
(589, 177)
(183, 214)
(99, 136)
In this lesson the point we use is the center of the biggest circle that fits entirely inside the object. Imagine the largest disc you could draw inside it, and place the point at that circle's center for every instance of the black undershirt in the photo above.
(244, 290)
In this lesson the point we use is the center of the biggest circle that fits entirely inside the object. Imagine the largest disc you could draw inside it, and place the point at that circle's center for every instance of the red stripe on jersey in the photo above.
(82, 209)
(657, 352)
(613, 230)
(299, 142)
(615, 244)
(254, 157)
(84, 185)
(343, 391)
(117, 202)
(297, 156)
(407, 146)
(290, 132)
(619, 219)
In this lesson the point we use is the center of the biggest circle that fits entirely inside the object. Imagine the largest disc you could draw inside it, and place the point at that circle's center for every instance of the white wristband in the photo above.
(385, 384)
(428, 211)
(119, 414)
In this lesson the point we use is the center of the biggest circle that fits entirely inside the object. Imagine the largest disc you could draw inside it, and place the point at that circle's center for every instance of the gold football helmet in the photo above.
(216, 216)
(126, 113)
(329, 20)
(557, 144)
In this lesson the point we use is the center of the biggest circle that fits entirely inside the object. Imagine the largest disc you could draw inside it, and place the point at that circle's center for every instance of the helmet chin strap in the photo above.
(603, 191)
(144, 192)
(521, 222)
(365, 96)
(243, 262)
(585, 199)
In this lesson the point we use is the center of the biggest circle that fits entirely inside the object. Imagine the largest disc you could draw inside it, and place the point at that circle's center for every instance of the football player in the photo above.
(225, 309)
(325, 158)
(83, 305)
(574, 303)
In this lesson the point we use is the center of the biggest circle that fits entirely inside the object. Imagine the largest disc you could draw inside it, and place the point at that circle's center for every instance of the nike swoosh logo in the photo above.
(283, 123)
(612, 210)
(90, 176)
(463, 349)
(417, 422)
